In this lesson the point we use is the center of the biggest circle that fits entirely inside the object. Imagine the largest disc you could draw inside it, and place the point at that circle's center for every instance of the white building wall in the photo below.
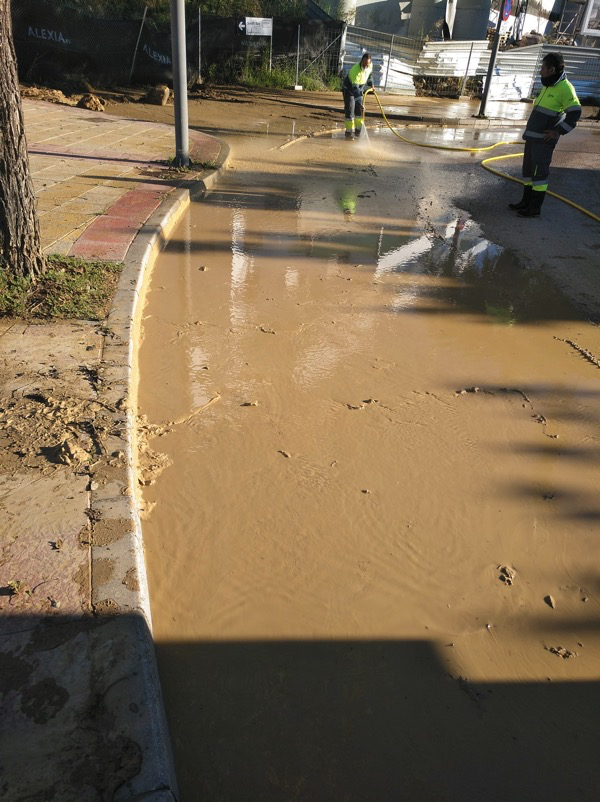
(418, 18)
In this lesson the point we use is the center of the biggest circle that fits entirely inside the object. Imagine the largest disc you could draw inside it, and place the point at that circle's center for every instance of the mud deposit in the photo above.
(373, 549)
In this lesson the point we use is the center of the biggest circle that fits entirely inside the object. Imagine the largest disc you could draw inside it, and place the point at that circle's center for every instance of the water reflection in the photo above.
(340, 489)
(241, 265)
(448, 249)
(481, 276)
(450, 137)
(293, 235)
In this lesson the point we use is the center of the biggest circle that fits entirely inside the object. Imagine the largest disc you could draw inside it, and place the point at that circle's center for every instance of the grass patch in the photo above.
(257, 72)
(279, 78)
(69, 289)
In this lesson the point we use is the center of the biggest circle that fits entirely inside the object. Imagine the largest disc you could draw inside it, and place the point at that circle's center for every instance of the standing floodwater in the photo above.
(372, 551)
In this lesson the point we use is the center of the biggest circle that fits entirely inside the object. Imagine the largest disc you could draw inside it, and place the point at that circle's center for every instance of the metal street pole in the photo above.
(492, 63)
(182, 149)
(298, 57)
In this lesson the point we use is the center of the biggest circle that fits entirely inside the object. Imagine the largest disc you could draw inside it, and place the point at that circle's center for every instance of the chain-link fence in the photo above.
(459, 68)
(52, 43)
(305, 51)
(394, 57)
(413, 66)
(452, 69)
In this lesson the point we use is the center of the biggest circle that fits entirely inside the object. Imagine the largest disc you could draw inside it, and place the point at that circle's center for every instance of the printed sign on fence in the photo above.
(47, 35)
(259, 26)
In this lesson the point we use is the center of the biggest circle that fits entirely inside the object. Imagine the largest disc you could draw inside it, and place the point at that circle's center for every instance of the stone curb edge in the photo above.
(119, 585)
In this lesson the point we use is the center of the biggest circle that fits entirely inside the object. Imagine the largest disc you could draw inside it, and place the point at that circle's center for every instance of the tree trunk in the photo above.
(20, 244)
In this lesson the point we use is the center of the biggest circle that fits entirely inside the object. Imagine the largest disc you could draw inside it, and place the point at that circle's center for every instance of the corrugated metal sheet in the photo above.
(516, 73)
(582, 65)
(394, 57)
(453, 59)
(521, 60)
(583, 70)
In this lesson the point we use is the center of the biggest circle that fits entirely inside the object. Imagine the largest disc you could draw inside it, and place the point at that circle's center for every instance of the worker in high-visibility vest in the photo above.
(555, 113)
(355, 84)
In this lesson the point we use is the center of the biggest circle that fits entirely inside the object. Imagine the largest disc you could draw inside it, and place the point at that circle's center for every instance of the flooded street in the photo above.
(372, 510)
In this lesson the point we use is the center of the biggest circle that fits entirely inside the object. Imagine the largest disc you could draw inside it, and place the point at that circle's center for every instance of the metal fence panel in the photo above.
(450, 69)
(582, 65)
(514, 73)
(52, 42)
(394, 57)
(227, 52)
(453, 59)
(453, 68)
(517, 71)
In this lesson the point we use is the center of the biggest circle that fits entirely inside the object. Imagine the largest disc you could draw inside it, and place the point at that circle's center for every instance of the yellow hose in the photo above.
(485, 162)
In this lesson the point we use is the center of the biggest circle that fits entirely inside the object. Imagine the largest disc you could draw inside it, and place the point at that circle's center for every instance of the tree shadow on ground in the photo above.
(370, 720)
(79, 703)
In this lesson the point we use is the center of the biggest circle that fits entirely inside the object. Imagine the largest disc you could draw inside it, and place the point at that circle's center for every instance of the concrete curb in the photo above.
(118, 574)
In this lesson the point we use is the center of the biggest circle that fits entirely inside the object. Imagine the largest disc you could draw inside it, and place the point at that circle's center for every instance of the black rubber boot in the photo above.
(524, 202)
(349, 134)
(535, 204)
(357, 131)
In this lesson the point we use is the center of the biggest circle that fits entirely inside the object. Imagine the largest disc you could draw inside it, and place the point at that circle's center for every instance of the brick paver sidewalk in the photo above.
(97, 178)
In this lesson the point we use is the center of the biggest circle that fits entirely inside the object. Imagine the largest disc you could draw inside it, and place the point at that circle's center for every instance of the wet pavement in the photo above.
(305, 631)
(427, 109)
(369, 534)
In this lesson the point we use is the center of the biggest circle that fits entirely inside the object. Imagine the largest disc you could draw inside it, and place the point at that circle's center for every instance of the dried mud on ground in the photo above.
(56, 449)
(213, 108)
(230, 111)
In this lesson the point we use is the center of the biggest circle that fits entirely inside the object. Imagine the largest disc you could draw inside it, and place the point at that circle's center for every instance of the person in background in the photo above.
(355, 84)
(555, 113)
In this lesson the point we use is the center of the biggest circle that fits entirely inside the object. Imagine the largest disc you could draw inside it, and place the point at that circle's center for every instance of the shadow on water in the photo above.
(444, 266)
(561, 492)
(371, 720)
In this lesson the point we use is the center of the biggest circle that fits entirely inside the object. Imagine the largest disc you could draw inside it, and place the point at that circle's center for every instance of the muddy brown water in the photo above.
(373, 557)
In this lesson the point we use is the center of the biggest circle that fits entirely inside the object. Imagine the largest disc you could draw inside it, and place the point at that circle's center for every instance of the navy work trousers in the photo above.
(536, 161)
(353, 105)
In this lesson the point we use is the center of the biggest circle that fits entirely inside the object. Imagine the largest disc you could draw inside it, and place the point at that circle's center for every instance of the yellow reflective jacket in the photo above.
(360, 75)
(556, 106)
